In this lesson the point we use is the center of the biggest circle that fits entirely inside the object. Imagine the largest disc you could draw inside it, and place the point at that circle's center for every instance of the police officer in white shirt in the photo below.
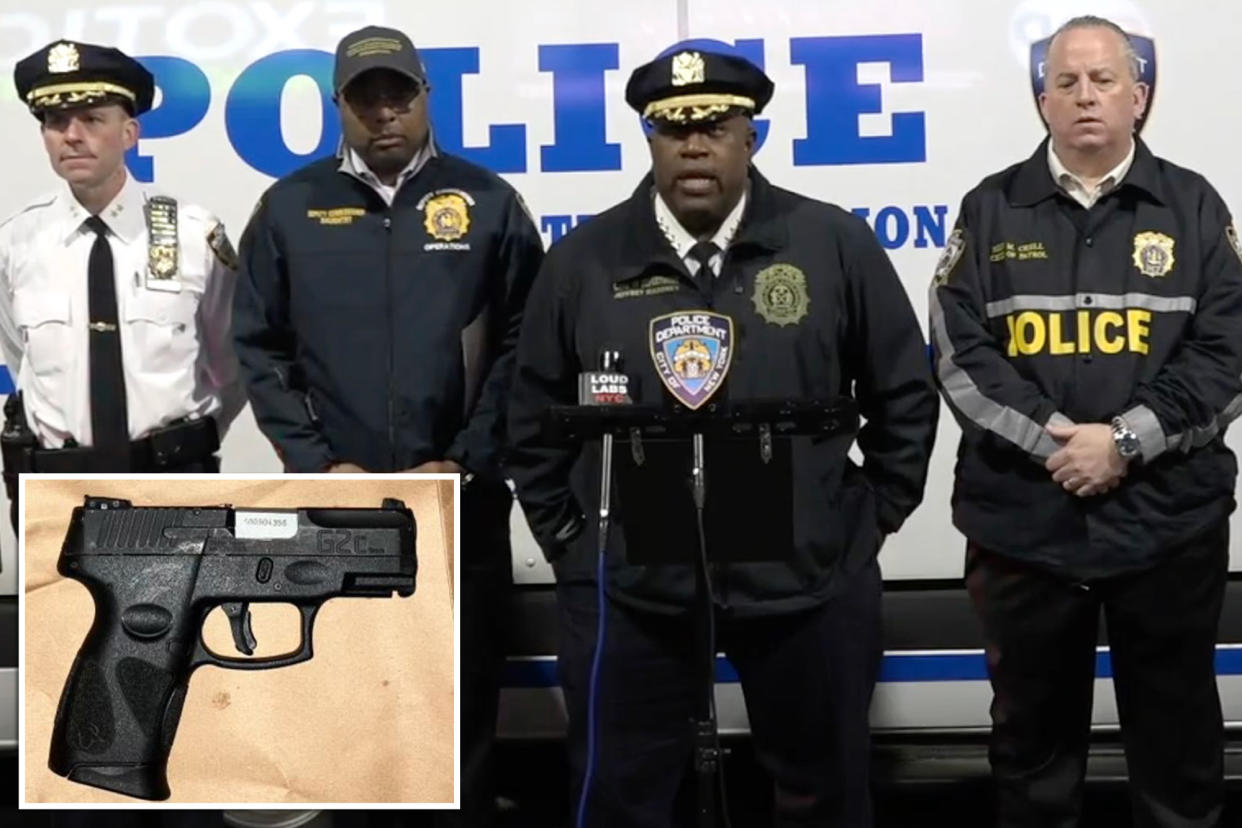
(115, 301)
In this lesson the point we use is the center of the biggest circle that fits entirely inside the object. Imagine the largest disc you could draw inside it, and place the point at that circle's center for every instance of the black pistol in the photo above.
(155, 573)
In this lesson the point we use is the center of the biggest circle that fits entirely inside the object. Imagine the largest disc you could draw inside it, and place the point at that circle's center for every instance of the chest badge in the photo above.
(1153, 253)
(446, 217)
(780, 295)
(162, 253)
(692, 351)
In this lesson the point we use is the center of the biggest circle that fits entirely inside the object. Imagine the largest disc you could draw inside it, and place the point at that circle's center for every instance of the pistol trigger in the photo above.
(239, 621)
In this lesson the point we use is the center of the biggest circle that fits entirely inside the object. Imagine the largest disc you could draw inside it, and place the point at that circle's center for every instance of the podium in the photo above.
(671, 517)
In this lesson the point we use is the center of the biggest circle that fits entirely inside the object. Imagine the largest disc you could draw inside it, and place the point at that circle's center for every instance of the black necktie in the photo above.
(702, 253)
(109, 419)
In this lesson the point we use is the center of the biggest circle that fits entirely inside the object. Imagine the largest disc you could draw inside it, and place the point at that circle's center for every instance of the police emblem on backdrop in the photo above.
(688, 68)
(953, 249)
(1153, 253)
(446, 215)
(63, 57)
(161, 217)
(780, 295)
(692, 351)
(1144, 48)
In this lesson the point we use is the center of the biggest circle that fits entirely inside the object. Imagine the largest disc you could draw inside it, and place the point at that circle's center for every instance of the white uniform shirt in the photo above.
(1076, 188)
(353, 164)
(176, 345)
(682, 240)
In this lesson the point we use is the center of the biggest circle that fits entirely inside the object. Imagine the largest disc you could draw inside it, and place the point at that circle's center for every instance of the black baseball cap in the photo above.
(376, 47)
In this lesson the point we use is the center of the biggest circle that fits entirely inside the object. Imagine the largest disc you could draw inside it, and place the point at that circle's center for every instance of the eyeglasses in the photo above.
(399, 99)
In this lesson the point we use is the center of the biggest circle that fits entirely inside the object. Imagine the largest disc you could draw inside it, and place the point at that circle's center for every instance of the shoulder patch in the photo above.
(220, 245)
(953, 250)
(1231, 233)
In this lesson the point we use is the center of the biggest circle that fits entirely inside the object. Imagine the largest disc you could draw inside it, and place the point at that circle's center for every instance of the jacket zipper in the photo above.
(392, 430)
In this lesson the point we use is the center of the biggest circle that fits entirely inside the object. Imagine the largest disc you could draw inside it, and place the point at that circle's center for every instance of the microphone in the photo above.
(609, 385)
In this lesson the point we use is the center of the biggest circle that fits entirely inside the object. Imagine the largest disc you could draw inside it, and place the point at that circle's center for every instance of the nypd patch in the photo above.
(1231, 233)
(953, 250)
(692, 351)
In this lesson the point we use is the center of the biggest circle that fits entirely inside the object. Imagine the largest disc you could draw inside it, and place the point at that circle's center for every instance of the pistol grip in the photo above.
(122, 700)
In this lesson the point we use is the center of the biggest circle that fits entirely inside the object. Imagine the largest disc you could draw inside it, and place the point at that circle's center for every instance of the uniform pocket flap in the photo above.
(34, 308)
(161, 308)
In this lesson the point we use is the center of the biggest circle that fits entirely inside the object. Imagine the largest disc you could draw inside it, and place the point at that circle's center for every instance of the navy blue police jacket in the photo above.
(383, 335)
(818, 313)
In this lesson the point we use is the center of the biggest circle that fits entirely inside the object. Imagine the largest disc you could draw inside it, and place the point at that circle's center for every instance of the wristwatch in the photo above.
(1126, 441)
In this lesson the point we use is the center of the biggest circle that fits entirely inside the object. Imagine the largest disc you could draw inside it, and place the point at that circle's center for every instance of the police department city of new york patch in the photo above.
(780, 295)
(1153, 253)
(220, 245)
(953, 250)
(692, 351)
(446, 217)
(1231, 233)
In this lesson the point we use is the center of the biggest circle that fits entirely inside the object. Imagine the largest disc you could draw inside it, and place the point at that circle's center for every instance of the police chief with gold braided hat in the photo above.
(818, 312)
(115, 298)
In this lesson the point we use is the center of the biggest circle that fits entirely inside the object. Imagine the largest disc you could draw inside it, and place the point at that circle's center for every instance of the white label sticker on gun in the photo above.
(265, 525)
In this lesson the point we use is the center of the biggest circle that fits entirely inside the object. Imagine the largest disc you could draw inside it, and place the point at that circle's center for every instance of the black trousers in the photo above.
(1041, 632)
(807, 679)
(486, 586)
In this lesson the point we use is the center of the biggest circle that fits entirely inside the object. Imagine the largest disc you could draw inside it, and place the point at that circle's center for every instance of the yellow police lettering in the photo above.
(1106, 343)
(1056, 344)
(1138, 327)
(1029, 332)
(1104, 332)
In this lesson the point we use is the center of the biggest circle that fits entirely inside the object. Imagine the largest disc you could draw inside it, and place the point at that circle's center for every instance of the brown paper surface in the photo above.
(368, 719)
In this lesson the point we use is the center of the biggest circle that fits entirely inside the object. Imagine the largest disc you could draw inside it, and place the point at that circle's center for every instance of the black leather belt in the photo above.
(164, 448)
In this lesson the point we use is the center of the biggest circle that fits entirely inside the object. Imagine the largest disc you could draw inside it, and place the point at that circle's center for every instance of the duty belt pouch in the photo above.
(17, 444)
(183, 443)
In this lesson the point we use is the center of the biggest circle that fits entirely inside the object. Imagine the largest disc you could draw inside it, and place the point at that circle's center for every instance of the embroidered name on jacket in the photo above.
(336, 215)
(645, 286)
(1017, 251)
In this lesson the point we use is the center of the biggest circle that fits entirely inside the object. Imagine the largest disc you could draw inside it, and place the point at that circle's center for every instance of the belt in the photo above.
(164, 448)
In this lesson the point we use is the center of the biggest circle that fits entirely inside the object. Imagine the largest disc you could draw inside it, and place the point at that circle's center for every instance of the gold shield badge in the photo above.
(63, 57)
(688, 68)
(447, 217)
(780, 294)
(1153, 253)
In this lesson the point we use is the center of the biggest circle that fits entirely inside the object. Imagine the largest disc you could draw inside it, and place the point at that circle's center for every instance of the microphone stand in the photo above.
(706, 744)
(759, 420)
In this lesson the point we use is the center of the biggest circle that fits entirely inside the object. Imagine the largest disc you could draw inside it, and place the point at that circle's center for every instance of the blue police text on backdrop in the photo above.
(834, 99)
